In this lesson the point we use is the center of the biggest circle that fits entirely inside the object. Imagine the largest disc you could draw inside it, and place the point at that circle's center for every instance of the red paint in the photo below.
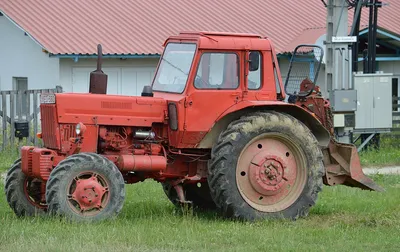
(42, 162)
(90, 193)
(26, 160)
(142, 163)
(73, 108)
(50, 126)
(37, 162)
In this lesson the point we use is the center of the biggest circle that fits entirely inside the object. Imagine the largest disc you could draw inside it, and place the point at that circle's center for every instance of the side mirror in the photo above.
(254, 61)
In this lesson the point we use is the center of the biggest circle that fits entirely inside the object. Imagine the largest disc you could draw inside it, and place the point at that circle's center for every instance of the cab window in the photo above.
(217, 71)
(173, 71)
(254, 77)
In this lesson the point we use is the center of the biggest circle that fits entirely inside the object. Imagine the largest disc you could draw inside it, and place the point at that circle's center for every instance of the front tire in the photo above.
(85, 187)
(24, 194)
(265, 165)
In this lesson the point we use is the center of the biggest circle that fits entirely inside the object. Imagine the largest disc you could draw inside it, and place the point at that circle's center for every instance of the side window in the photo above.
(217, 71)
(254, 77)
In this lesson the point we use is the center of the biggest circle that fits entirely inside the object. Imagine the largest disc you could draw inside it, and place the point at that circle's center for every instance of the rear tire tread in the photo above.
(221, 156)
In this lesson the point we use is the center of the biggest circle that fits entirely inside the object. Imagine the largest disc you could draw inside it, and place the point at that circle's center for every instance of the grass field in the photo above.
(344, 219)
(388, 154)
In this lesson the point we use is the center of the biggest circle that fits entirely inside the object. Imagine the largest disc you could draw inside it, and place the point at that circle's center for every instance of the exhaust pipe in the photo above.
(342, 166)
(98, 79)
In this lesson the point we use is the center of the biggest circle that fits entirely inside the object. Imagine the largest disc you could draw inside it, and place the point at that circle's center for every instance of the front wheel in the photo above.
(25, 195)
(266, 165)
(85, 187)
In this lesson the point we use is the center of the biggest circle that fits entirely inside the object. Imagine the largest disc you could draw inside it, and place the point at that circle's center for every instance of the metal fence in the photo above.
(21, 106)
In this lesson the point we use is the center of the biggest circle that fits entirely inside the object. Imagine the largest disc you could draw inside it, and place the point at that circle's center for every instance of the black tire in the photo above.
(222, 176)
(199, 196)
(63, 176)
(14, 188)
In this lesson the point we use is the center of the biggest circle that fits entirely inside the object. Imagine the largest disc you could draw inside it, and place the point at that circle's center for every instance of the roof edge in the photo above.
(91, 56)
(22, 29)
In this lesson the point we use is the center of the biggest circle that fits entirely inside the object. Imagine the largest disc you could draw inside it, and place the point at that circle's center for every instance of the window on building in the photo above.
(217, 71)
(254, 77)
(20, 84)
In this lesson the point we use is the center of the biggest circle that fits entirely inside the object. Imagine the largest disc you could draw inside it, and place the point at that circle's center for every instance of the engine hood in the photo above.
(110, 109)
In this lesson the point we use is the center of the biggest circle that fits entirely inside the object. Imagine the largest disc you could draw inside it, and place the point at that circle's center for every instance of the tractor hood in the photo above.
(110, 109)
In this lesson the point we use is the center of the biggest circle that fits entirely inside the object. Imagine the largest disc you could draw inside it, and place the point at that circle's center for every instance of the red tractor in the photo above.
(214, 129)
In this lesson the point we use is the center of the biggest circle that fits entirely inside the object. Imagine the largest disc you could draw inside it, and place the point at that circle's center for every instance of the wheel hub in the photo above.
(270, 172)
(267, 173)
(88, 193)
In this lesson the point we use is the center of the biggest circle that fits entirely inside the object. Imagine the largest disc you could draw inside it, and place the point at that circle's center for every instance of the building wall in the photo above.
(20, 56)
(126, 76)
(390, 67)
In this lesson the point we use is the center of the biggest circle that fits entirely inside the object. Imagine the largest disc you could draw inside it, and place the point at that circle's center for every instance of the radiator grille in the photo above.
(67, 131)
(50, 128)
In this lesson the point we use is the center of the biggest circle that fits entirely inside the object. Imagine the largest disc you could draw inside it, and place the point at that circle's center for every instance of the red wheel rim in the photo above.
(88, 193)
(34, 191)
(271, 172)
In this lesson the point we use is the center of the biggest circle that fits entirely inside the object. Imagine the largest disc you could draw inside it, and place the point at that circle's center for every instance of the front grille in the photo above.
(67, 131)
(50, 128)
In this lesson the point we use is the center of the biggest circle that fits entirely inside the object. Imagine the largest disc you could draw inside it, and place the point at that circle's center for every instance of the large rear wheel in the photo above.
(85, 187)
(266, 165)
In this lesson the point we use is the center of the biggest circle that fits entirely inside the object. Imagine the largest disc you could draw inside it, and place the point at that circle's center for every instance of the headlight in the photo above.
(80, 129)
(47, 98)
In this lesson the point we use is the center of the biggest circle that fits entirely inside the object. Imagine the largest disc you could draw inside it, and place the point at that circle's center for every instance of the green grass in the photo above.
(388, 154)
(344, 219)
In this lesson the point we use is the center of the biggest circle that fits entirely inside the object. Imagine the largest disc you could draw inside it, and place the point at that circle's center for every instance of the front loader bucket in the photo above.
(342, 166)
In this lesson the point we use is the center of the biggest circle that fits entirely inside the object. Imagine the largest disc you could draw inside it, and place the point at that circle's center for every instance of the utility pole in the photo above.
(338, 69)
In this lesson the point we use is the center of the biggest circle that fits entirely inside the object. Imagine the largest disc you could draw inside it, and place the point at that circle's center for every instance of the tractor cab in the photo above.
(205, 75)
(243, 64)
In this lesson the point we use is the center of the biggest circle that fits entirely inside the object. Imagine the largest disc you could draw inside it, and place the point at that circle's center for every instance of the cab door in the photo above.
(216, 87)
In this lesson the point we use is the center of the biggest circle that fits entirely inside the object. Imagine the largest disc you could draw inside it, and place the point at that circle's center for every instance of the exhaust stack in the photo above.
(98, 79)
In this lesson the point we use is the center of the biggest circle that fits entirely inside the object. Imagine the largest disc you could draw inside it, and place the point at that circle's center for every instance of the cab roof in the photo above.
(223, 40)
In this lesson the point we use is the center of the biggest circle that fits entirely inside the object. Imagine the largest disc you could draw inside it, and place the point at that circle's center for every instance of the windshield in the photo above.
(174, 68)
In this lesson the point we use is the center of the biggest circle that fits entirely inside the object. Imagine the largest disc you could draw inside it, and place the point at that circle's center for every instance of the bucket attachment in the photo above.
(342, 166)
(98, 79)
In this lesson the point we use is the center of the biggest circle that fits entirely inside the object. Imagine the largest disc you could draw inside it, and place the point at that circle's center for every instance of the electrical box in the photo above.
(343, 120)
(344, 100)
(21, 129)
(338, 120)
(374, 101)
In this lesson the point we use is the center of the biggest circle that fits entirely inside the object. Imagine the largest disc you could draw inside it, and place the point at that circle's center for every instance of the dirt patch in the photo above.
(382, 170)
